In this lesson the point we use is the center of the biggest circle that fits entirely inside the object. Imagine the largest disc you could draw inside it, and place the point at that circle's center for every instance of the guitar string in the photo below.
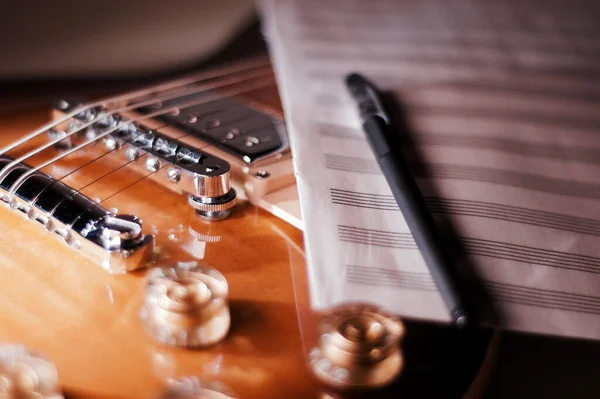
(260, 84)
(15, 186)
(186, 105)
(167, 164)
(170, 163)
(137, 180)
(11, 165)
(146, 91)
(108, 152)
(8, 168)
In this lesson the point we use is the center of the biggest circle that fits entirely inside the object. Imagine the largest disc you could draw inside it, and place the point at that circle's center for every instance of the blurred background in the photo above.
(90, 48)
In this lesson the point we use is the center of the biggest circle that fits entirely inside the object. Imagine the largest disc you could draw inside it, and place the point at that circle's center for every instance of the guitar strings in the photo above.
(144, 176)
(263, 83)
(15, 186)
(10, 166)
(223, 83)
(134, 160)
(141, 93)
(168, 163)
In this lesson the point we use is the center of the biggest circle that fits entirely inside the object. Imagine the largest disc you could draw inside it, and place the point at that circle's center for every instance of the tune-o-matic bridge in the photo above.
(114, 241)
(185, 168)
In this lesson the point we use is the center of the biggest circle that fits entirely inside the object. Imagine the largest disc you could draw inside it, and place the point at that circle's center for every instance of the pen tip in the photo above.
(460, 317)
(462, 321)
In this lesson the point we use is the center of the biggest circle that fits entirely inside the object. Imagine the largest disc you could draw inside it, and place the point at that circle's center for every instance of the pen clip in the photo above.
(367, 96)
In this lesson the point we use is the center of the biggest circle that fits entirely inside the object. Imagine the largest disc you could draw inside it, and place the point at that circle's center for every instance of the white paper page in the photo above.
(503, 103)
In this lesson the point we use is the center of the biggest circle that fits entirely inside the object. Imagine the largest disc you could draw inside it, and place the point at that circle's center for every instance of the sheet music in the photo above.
(503, 101)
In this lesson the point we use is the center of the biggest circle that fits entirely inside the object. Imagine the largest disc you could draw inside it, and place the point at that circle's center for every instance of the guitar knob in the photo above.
(192, 388)
(186, 305)
(24, 374)
(358, 348)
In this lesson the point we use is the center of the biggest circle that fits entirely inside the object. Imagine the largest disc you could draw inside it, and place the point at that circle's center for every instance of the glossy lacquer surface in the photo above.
(86, 321)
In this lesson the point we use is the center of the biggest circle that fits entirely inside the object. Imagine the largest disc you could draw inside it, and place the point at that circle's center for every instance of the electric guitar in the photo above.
(143, 254)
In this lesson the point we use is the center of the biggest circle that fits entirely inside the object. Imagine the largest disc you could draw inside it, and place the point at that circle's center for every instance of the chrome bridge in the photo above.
(205, 178)
(114, 241)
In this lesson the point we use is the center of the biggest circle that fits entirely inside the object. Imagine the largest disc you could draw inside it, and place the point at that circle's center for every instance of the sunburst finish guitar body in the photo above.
(173, 176)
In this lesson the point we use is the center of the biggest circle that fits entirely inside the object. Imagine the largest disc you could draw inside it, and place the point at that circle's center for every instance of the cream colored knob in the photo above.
(358, 348)
(192, 388)
(186, 305)
(25, 375)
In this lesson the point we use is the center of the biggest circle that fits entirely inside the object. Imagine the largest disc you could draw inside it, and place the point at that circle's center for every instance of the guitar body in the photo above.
(87, 321)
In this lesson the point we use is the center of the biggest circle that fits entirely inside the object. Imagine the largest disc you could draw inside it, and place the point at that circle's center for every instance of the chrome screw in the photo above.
(174, 175)
(251, 141)
(262, 174)
(152, 164)
(110, 143)
(62, 105)
(214, 123)
(132, 154)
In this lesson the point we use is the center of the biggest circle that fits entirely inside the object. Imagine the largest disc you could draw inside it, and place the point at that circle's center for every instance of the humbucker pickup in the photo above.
(236, 128)
(114, 241)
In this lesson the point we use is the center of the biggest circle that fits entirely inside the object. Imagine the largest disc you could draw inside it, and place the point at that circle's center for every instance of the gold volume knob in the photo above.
(25, 375)
(192, 388)
(186, 305)
(358, 348)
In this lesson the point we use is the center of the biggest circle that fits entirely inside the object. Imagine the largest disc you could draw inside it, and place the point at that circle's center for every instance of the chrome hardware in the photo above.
(250, 134)
(213, 208)
(231, 134)
(25, 374)
(186, 305)
(262, 174)
(152, 164)
(358, 348)
(87, 115)
(198, 174)
(251, 141)
(110, 143)
(174, 175)
(214, 123)
(193, 388)
(54, 134)
(115, 242)
(121, 231)
(62, 105)
(90, 134)
(132, 154)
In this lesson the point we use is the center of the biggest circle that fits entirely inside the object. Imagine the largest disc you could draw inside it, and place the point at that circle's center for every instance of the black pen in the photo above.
(384, 140)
